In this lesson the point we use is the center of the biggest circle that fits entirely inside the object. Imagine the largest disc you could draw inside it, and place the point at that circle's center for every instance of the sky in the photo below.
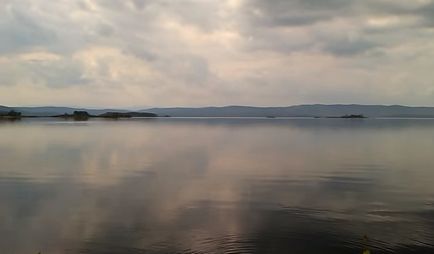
(137, 53)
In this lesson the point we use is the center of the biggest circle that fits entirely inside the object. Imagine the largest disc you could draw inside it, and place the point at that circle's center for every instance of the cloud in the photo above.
(217, 52)
(41, 68)
(20, 32)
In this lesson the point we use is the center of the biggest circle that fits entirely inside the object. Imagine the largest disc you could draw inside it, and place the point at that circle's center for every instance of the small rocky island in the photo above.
(12, 115)
(353, 116)
(84, 115)
(76, 115)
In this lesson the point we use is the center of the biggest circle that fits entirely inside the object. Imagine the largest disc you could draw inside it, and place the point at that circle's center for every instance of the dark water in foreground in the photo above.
(217, 186)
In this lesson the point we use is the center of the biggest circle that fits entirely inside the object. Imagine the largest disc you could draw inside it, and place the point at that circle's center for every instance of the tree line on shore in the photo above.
(12, 114)
(81, 115)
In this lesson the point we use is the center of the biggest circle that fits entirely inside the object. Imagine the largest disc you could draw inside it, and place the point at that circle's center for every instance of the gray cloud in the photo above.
(294, 12)
(21, 32)
(160, 52)
(348, 47)
(307, 12)
(427, 12)
(52, 73)
(58, 74)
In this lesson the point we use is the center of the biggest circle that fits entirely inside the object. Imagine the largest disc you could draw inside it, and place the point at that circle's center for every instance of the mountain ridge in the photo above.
(303, 110)
(306, 110)
(57, 110)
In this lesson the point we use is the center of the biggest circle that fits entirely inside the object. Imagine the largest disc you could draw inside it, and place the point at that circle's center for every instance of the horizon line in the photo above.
(215, 106)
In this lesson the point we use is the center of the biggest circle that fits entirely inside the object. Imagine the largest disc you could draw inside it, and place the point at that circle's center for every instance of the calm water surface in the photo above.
(217, 186)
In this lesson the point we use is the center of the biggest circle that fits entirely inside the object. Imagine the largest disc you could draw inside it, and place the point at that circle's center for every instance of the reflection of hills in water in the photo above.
(305, 123)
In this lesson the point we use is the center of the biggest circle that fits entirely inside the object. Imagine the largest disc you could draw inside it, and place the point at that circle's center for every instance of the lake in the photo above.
(180, 185)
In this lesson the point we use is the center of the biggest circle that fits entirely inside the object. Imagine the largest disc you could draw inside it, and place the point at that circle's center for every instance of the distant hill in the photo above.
(315, 110)
(126, 114)
(52, 111)
(4, 109)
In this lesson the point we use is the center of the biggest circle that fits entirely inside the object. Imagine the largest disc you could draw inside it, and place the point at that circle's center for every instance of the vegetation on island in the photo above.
(12, 114)
(353, 116)
(84, 115)
(347, 116)
(76, 115)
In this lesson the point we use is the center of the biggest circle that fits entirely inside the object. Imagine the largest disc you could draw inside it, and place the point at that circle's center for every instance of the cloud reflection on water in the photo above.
(212, 186)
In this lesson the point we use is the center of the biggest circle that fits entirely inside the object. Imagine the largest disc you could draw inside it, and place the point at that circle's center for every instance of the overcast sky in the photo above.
(132, 53)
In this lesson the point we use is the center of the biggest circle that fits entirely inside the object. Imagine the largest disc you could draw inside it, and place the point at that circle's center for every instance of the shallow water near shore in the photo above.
(217, 185)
